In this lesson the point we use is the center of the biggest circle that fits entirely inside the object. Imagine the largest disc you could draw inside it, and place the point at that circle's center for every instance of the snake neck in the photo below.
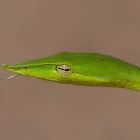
(134, 84)
(130, 81)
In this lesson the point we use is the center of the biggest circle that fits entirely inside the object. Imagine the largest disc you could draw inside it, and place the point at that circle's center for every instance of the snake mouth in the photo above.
(6, 66)
(10, 67)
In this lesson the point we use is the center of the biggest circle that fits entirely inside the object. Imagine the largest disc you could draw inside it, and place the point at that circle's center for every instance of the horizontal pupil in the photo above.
(64, 69)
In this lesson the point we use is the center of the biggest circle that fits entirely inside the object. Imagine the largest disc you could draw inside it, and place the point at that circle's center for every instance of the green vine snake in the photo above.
(89, 69)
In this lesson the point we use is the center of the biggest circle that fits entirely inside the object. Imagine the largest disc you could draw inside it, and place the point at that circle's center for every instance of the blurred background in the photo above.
(33, 109)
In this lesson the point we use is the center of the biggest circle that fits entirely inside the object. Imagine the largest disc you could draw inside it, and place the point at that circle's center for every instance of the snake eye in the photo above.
(64, 70)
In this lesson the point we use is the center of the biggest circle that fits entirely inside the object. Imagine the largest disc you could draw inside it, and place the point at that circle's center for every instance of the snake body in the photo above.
(90, 69)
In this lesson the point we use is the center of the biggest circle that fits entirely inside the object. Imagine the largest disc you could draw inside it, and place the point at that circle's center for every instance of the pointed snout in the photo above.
(6, 66)
(10, 67)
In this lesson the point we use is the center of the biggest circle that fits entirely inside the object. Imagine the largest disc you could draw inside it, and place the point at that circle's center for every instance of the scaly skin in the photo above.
(91, 69)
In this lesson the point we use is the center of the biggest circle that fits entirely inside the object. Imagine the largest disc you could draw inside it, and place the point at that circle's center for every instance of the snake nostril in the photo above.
(25, 68)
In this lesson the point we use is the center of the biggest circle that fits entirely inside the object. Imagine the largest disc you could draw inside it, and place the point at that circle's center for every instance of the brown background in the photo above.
(33, 109)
